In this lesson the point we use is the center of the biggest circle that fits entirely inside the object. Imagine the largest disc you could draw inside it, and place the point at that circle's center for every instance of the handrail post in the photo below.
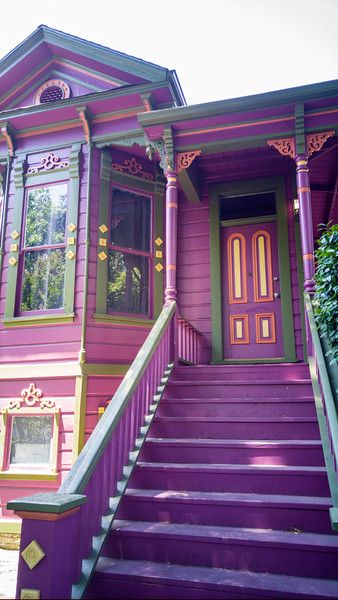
(49, 544)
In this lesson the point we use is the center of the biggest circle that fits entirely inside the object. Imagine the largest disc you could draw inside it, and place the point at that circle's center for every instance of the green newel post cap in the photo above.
(48, 503)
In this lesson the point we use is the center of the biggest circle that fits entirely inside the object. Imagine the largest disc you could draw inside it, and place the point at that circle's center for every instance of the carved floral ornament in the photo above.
(30, 397)
(49, 162)
(184, 159)
(314, 143)
(133, 167)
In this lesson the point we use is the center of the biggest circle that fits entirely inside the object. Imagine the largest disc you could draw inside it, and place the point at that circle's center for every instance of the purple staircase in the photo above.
(229, 498)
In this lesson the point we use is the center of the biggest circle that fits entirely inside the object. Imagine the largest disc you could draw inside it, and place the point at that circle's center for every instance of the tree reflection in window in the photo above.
(31, 440)
(129, 253)
(44, 249)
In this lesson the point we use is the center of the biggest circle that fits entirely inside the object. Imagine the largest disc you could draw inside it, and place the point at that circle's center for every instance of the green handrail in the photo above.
(84, 466)
(329, 419)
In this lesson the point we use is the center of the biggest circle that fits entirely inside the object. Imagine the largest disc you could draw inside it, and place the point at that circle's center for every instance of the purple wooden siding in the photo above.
(193, 270)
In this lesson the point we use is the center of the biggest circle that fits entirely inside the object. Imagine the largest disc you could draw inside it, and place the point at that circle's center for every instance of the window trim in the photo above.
(22, 182)
(154, 189)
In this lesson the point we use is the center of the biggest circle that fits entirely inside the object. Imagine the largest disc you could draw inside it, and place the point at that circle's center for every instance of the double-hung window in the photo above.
(129, 253)
(43, 257)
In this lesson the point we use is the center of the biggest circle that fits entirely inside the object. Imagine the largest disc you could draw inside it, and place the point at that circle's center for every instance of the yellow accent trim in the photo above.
(159, 267)
(172, 179)
(265, 328)
(237, 271)
(30, 594)
(10, 526)
(70, 254)
(102, 255)
(159, 254)
(301, 162)
(71, 241)
(33, 554)
(12, 261)
(103, 228)
(262, 265)
(14, 248)
(102, 242)
(71, 227)
(79, 415)
(239, 329)
(158, 241)
(15, 234)
(7, 475)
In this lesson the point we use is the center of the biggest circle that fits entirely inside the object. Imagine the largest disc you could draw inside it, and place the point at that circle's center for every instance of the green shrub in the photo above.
(326, 296)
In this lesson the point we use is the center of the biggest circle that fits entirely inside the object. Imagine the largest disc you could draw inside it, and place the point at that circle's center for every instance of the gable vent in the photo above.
(52, 91)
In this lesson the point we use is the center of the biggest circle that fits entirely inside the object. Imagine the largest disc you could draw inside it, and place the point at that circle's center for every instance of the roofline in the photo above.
(267, 99)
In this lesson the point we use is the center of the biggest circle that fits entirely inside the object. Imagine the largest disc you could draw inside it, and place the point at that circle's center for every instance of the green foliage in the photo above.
(326, 297)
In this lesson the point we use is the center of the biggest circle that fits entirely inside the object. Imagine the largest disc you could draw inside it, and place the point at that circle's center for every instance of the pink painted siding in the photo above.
(100, 391)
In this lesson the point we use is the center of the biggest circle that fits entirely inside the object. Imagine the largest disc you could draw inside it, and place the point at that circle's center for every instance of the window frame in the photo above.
(109, 179)
(24, 182)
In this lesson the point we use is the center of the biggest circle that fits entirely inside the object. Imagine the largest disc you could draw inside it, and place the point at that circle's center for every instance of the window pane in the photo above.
(127, 283)
(43, 280)
(31, 440)
(130, 220)
(244, 207)
(46, 216)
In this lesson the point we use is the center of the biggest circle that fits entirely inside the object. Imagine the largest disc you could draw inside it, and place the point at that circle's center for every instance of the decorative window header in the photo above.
(52, 90)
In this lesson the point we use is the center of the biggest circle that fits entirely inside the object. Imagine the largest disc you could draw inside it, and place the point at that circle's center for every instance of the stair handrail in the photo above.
(326, 408)
(76, 548)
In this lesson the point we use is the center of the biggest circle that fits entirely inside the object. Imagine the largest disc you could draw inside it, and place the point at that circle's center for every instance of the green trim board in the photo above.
(52, 502)
(37, 320)
(155, 189)
(277, 185)
(251, 220)
(300, 275)
(21, 181)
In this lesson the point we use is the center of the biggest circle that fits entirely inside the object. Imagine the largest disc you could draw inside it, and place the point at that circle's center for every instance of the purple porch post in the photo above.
(305, 221)
(49, 546)
(170, 294)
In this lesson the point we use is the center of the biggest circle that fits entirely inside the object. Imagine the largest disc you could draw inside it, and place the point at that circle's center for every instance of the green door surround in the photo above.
(277, 185)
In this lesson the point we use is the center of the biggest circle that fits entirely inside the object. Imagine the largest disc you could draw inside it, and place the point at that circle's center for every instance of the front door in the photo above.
(251, 292)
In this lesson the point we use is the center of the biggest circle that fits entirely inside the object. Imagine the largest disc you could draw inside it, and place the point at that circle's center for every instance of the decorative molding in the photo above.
(315, 141)
(32, 554)
(169, 149)
(148, 101)
(30, 396)
(51, 161)
(30, 593)
(84, 118)
(8, 135)
(185, 159)
(133, 167)
(52, 83)
(285, 146)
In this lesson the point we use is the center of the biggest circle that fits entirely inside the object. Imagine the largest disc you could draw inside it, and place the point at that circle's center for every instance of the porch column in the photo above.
(305, 221)
(171, 235)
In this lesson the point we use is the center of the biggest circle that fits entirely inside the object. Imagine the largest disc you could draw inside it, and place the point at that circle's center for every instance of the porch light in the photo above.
(296, 207)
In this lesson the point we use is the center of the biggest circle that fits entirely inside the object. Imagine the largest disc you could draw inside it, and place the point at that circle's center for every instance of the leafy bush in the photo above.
(326, 296)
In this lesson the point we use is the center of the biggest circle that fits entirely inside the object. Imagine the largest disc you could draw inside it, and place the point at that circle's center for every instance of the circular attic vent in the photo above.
(52, 91)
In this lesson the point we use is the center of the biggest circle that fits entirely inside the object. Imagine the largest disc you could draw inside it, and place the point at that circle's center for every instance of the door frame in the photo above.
(276, 185)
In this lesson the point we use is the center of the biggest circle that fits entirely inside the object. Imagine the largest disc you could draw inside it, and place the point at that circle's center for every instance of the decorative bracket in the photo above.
(133, 167)
(51, 161)
(148, 101)
(164, 148)
(84, 118)
(30, 396)
(315, 141)
(185, 159)
(285, 146)
(7, 133)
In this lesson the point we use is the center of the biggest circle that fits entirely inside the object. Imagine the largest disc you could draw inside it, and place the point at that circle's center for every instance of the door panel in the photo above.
(251, 294)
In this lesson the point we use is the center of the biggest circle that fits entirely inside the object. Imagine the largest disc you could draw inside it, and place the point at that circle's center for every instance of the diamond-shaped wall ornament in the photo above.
(70, 254)
(103, 228)
(12, 261)
(102, 256)
(158, 241)
(14, 248)
(32, 554)
(29, 594)
(159, 254)
(159, 267)
(102, 241)
(71, 241)
(15, 234)
(71, 227)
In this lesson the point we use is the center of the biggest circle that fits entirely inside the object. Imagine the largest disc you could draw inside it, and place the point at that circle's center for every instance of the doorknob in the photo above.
(276, 295)
(275, 278)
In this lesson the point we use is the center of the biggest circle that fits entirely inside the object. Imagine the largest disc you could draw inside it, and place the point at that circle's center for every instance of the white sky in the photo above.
(219, 48)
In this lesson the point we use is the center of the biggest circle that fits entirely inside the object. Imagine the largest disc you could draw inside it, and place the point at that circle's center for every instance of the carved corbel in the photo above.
(7, 132)
(315, 141)
(84, 116)
(285, 146)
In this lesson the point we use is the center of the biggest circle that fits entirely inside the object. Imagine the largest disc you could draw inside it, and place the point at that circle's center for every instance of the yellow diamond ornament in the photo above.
(102, 241)
(32, 554)
(15, 234)
(158, 241)
(103, 228)
(71, 241)
(71, 227)
(14, 247)
(102, 256)
(12, 261)
(159, 267)
(70, 254)
(29, 594)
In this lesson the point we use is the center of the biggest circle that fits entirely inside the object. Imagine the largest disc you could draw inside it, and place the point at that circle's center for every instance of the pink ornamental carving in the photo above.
(133, 167)
(184, 159)
(285, 146)
(316, 141)
(51, 161)
(30, 396)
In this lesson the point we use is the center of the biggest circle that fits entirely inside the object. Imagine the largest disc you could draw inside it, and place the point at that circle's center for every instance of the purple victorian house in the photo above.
(168, 415)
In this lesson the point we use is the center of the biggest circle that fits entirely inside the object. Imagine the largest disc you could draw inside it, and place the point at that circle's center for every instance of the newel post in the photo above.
(49, 548)
(305, 221)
